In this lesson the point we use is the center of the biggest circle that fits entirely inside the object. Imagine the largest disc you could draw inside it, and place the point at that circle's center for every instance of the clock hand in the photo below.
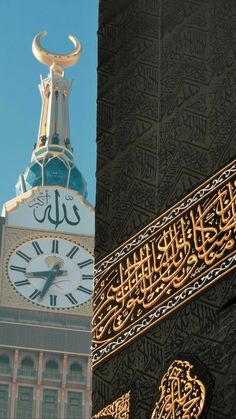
(44, 274)
(51, 277)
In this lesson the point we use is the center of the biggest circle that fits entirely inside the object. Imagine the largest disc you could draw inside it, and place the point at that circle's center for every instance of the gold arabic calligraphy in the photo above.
(182, 396)
(119, 409)
(169, 260)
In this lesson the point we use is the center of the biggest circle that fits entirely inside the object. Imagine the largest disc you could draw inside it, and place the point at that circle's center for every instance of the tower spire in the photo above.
(52, 161)
(54, 89)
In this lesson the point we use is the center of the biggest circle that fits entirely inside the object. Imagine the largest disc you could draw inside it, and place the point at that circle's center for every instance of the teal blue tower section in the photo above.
(53, 166)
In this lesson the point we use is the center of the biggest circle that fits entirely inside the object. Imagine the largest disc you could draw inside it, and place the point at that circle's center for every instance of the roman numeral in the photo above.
(85, 290)
(21, 283)
(53, 300)
(17, 268)
(55, 244)
(34, 294)
(23, 256)
(85, 263)
(72, 252)
(37, 248)
(87, 277)
(71, 298)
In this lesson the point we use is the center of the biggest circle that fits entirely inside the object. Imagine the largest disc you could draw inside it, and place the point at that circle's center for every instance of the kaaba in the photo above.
(164, 297)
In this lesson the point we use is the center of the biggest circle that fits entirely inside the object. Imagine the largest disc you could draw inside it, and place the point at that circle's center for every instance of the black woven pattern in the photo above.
(166, 122)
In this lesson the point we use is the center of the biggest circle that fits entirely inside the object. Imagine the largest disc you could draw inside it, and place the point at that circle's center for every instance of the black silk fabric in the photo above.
(165, 123)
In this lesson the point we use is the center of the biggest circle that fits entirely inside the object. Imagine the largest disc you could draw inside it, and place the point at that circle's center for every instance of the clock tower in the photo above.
(46, 282)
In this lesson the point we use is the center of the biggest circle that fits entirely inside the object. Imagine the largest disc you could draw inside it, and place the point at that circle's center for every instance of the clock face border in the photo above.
(70, 258)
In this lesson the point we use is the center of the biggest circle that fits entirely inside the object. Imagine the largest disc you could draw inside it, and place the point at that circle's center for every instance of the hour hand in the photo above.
(44, 274)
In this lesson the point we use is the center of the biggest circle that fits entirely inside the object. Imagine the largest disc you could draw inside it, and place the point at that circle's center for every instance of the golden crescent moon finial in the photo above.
(52, 59)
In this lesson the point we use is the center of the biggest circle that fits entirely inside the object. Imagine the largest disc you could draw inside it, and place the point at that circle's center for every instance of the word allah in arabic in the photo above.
(57, 212)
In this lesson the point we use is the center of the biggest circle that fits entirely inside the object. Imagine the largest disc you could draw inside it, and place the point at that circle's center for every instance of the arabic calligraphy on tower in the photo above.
(52, 208)
(165, 264)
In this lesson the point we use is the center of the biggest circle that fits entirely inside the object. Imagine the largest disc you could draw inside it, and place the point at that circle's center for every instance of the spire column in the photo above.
(52, 161)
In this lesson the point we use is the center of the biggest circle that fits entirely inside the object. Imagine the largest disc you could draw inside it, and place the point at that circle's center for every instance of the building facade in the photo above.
(164, 306)
(47, 241)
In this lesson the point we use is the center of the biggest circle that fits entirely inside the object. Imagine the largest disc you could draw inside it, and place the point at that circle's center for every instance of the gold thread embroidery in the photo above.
(159, 269)
(182, 396)
(119, 409)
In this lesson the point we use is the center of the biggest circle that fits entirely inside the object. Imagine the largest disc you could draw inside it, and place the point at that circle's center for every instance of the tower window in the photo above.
(4, 360)
(50, 404)
(27, 367)
(51, 370)
(4, 364)
(27, 362)
(75, 367)
(74, 405)
(52, 365)
(4, 390)
(25, 403)
(75, 372)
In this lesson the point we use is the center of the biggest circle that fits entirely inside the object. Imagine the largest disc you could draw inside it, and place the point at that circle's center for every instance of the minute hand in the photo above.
(51, 276)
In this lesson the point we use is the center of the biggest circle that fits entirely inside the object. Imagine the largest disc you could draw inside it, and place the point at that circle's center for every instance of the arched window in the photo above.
(4, 360)
(27, 362)
(75, 372)
(52, 365)
(75, 367)
(51, 369)
(4, 364)
(27, 367)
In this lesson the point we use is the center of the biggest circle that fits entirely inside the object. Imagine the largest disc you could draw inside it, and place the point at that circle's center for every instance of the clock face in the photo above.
(52, 272)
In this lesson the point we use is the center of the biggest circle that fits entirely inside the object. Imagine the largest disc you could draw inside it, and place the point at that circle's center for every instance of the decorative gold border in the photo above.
(195, 240)
(165, 218)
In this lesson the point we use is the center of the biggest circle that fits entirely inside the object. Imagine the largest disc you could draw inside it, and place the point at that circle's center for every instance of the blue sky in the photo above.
(20, 101)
